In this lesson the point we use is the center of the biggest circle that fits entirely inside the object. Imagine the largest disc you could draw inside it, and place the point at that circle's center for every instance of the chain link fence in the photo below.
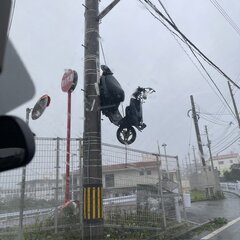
(141, 189)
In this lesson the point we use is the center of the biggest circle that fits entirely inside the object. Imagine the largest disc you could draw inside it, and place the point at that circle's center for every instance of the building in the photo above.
(42, 189)
(122, 179)
(224, 162)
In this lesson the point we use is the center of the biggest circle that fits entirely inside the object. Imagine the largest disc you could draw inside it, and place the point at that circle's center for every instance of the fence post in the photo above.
(57, 188)
(160, 187)
(80, 182)
(21, 210)
(181, 189)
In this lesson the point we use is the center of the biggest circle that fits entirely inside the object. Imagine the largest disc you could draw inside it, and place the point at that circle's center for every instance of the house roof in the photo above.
(34, 181)
(133, 165)
(226, 156)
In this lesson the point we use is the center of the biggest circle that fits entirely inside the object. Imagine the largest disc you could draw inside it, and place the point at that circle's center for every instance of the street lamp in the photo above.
(164, 145)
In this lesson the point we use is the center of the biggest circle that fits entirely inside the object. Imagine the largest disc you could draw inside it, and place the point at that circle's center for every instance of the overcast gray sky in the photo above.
(141, 52)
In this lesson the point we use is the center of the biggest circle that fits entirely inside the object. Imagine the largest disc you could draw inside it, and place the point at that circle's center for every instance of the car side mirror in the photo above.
(17, 145)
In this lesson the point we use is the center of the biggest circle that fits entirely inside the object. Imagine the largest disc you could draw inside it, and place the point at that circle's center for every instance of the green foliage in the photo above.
(197, 196)
(232, 175)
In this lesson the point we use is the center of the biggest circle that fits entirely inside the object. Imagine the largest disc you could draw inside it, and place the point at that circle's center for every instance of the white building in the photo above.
(42, 189)
(224, 162)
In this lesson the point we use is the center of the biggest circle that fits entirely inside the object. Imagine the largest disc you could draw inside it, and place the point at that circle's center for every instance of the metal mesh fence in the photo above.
(140, 189)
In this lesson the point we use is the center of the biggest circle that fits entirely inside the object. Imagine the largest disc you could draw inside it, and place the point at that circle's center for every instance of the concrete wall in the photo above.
(205, 179)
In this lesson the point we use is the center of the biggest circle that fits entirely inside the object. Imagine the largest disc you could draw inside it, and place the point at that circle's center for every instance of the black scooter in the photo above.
(111, 95)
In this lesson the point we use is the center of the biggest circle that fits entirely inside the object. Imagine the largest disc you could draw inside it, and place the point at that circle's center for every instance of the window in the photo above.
(220, 162)
(109, 180)
(141, 173)
(149, 172)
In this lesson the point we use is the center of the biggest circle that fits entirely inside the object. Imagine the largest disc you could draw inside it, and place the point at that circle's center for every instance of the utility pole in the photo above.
(92, 152)
(92, 159)
(234, 104)
(189, 160)
(209, 148)
(199, 141)
(164, 145)
(194, 155)
(186, 163)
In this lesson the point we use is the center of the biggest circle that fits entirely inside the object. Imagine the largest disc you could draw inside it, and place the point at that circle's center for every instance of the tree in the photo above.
(232, 175)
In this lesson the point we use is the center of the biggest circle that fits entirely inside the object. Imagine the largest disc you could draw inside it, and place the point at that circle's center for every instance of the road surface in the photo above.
(228, 208)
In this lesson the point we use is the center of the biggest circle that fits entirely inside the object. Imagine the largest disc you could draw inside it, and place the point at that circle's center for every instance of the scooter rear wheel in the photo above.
(126, 135)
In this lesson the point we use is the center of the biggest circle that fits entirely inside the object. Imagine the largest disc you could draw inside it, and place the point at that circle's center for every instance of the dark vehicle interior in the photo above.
(17, 146)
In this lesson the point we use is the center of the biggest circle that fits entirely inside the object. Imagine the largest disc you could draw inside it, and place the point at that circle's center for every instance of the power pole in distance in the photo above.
(209, 148)
(199, 141)
(92, 157)
(194, 155)
(234, 104)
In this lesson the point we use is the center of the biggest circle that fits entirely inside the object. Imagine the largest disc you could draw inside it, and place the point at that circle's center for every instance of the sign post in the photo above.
(69, 82)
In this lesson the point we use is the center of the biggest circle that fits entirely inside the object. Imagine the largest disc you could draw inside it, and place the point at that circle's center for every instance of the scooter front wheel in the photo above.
(126, 135)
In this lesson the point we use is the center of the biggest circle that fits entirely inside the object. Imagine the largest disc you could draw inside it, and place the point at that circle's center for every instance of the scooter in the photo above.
(126, 133)
(111, 95)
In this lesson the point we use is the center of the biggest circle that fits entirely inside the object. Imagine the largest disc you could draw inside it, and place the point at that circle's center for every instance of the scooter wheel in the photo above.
(126, 135)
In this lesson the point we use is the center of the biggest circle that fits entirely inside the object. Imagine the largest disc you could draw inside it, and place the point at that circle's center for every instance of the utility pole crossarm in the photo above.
(108, 9)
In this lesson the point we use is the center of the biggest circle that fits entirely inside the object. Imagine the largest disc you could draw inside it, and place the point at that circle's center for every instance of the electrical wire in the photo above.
(229, 145)
(226, 16)
(186, 41)
(205, 58)
(226, 138)
(198, 69)
(103, 54)
(211, 121)
(215, 119)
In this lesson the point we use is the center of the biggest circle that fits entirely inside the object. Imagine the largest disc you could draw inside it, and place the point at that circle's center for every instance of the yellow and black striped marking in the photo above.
(92, 203)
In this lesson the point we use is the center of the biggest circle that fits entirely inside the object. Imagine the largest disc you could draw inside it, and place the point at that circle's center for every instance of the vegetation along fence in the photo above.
(140, 190)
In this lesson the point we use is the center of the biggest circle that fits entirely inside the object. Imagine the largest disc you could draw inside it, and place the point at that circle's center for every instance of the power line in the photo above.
(103, 54)
(205, 58)
(225, 139)
(188, 43)
(229, 145)
(226, 16)
(209, 120)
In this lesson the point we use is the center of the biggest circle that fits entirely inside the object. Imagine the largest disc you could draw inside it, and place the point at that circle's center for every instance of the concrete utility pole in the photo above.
(92, 157)
(164, 145)
(195, 159)
(199, 141)
(234, 104)
(209, 148)
(190, 163)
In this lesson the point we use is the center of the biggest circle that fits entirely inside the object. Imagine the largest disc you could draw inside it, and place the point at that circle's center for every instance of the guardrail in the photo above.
(231, 187)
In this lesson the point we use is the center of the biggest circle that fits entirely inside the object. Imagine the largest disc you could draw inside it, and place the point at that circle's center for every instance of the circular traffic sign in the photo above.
(40, 106)
(69, 80)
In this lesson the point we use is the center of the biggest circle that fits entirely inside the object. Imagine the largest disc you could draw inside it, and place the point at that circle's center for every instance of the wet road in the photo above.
(228, 208)
(230, 233)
